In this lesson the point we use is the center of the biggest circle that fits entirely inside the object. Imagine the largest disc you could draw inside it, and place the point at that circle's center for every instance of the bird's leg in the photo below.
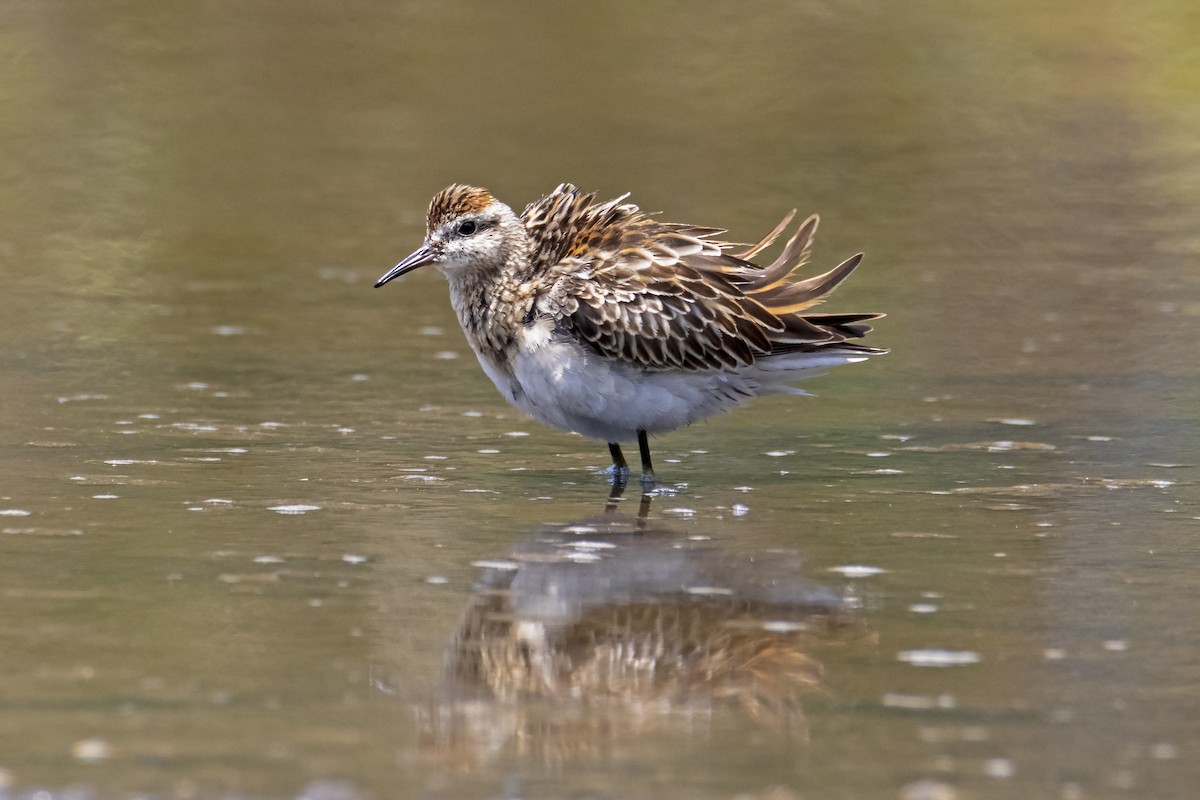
(647, 468)
(620, 467)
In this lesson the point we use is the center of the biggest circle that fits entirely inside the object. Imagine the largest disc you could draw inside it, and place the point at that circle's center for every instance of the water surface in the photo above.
(270, 533)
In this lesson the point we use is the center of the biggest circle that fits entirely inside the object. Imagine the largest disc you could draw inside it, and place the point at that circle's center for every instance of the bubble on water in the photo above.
(437, 580)
(488, 451)
(105, 496)
(91, 750)
(681, 512)
(78, 397)
(919, 702)
(124, 462)
(14, 512)
(1013, 421)
(740, 510)
(1054, 654)
(579, 529)
(360, 377)
(783, 626)
(928, 790)
(495, 564)
(938, 658)
(709, 591)
(294, 508)
(517, 433)
(1164, 751)
(268, 559)
(228, 330)
(1116, 645)
(196, 385)
(858, 570)
(354, 558)
(148, 416)
(923, 608)
(584, 544)
(779, 453)
(877, 454)
(472, 414)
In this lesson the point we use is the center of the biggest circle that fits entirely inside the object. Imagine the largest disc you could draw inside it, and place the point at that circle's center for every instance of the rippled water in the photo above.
(269, 533)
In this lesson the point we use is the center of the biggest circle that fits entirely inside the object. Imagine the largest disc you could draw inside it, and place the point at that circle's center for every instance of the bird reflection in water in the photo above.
(588, 634)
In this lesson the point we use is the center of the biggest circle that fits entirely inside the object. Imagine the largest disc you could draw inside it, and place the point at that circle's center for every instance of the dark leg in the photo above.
(619, 462)
(619, 472)
(647, 467)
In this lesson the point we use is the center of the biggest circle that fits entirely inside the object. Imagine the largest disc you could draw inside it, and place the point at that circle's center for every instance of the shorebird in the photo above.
(598, 318)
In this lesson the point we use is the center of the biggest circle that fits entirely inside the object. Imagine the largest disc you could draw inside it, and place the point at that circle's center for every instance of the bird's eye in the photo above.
(466, 228)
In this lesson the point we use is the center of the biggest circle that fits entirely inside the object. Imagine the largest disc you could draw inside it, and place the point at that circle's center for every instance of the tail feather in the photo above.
(771, 289)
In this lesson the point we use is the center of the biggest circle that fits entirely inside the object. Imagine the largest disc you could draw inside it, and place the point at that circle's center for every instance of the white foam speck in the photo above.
(780, 453)
(268, 560)
(517, 433)
(352, 558)
(740, 510)
(1116, 645)
(709, 590)
(938, 658)
(294, 508)
(123, 462)
(999, 768)
(445, 355)
(437, 580)
(488, 451)
(1014, 421)
(783, 626)
(90, 751)
(584, 544)
(14, 512)
(495, 564)
(105, 496)
(228, 330)
(858, 570)
(922, 608)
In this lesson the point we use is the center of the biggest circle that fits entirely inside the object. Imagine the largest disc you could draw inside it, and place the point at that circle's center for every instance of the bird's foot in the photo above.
(648, 481)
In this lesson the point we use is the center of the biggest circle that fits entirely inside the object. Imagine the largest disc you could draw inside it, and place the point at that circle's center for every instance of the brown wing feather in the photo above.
(671, 296)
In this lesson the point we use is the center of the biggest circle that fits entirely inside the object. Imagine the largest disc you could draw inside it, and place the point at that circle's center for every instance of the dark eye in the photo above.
(466, 228)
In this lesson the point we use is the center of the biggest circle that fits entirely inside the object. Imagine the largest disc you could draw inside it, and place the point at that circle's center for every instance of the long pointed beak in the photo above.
(422, 256)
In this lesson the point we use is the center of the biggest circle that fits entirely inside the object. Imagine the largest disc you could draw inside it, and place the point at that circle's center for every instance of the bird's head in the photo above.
(468, 232)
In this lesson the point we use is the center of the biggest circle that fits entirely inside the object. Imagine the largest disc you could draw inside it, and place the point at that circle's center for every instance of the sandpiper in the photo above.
(597, 318)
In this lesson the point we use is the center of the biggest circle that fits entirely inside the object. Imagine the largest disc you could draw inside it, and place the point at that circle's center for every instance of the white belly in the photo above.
(563, 385)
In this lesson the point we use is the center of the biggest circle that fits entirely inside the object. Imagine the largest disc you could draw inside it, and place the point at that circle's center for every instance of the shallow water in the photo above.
(270, 533)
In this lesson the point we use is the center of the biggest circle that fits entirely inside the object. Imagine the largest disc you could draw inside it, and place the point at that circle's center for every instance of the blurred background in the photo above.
(268, 532)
